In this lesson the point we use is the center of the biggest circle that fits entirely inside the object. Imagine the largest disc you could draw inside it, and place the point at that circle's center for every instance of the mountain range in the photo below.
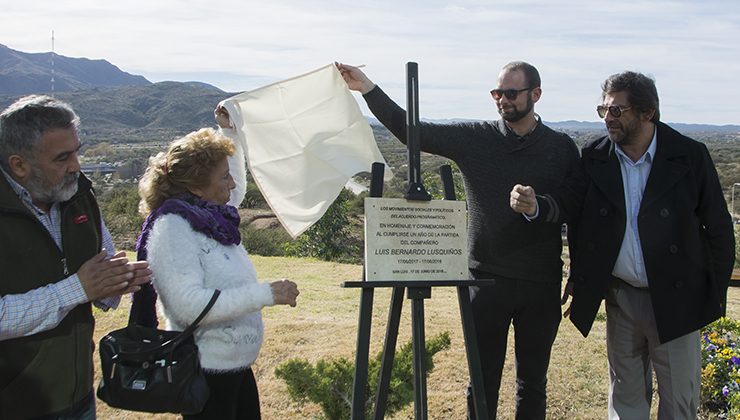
(23, 73)
(113, 105)
(117, 106)
(573, 125)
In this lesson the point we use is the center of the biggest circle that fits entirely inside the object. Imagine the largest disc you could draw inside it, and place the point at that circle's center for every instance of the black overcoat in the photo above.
(685, 230)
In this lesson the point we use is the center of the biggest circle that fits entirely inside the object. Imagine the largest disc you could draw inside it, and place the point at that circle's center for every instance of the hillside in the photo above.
(157, 111)
(151, 112)
(114, 106)
(23, 73)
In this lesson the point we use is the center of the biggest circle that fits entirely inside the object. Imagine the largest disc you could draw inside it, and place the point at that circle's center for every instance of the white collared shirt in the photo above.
(630, 265)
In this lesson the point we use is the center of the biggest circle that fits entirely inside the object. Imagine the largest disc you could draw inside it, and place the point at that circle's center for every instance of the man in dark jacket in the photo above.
(56, 258)
(653, 237)
(522, 258)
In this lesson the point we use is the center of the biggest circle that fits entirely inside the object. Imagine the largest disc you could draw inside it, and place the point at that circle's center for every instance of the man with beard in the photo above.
(522, 258)
(653, 238)
(57, 258)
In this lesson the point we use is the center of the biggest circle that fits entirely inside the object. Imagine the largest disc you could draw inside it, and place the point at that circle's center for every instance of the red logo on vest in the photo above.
(80, 219)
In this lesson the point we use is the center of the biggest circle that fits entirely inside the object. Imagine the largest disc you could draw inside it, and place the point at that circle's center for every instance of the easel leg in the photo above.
(361, 356)
(471, 349)
(366, 318)
(417, 296)
(389, 351)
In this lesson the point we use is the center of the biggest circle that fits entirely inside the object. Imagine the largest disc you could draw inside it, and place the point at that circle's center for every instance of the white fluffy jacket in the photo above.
(187, 266)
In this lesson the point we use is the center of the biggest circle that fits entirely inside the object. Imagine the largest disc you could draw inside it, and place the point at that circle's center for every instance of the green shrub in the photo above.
(720, 373)
(253, 198)
(357, 203)
(329, 382)
(435, 188)
(266, 242)
(120, 209)
(329, 238)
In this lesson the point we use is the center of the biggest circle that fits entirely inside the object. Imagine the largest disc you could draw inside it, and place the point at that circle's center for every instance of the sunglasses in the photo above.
(615, 110)
(510, 94)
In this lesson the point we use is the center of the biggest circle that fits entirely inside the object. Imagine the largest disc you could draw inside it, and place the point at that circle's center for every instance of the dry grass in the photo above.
(324, 324)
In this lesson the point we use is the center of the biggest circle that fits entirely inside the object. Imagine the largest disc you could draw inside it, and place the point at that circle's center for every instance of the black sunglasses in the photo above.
(615, 110)
(510, 94)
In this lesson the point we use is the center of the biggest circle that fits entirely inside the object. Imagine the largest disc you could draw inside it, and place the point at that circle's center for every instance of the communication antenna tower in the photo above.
(52, 63)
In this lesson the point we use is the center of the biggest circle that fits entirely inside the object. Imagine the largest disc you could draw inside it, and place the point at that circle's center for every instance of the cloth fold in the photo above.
(304, 138)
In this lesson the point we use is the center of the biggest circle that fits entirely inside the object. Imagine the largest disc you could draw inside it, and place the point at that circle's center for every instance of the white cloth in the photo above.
(237, 167)
(186, 268)
(304, 138)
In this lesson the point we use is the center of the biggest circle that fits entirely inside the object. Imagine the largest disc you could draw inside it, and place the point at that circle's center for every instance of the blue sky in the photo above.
(691, 48)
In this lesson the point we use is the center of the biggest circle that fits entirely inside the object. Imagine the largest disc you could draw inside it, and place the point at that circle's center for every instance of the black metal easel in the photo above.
(418, 290)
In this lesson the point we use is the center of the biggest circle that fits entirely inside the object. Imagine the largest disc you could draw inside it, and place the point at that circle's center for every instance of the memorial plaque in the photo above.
(415, 240)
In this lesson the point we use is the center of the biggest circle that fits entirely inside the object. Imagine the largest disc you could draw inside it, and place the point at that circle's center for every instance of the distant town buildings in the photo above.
(98, 168)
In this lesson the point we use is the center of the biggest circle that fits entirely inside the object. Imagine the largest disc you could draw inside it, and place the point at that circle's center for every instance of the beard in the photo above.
(514, 114)
(43, 191)
(626, 132)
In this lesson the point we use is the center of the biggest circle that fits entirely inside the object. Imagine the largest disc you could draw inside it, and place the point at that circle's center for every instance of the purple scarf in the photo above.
(219, 222)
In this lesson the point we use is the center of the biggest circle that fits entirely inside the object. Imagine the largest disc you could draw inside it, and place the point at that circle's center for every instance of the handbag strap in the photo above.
(179, 338)
(187, 332)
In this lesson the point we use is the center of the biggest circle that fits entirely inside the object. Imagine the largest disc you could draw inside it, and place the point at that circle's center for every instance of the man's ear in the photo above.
(20, 168)
(648, 115)
(536, 94)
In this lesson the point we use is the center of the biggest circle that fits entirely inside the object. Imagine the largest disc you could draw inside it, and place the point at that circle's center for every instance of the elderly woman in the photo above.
(192, 242)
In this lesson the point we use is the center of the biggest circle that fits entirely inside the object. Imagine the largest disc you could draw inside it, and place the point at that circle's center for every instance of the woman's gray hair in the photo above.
(24, 122)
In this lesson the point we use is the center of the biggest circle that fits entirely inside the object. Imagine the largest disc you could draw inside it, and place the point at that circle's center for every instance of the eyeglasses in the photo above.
(510, 94)
(615, 110)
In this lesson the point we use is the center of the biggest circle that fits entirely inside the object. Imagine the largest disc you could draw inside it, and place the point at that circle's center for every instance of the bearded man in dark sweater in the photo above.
(522, 258)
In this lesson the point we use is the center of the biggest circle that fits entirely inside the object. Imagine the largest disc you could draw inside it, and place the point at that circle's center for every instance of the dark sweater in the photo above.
(492, 160)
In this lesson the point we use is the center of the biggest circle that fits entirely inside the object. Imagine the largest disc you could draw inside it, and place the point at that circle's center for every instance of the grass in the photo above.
(324, 325)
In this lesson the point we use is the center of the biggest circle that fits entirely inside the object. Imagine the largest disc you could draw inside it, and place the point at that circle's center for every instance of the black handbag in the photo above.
(151, 370)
